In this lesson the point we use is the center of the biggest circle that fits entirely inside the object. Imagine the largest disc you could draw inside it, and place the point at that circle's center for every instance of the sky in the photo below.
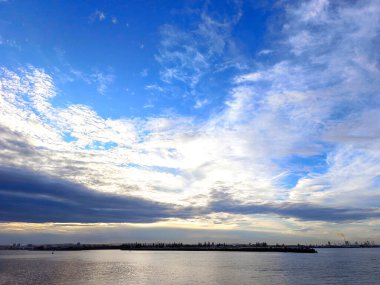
(192, 121)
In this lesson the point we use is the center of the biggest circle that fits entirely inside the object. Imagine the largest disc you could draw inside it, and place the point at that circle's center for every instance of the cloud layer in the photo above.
(27, 196)
(31, 197)
(296, 136)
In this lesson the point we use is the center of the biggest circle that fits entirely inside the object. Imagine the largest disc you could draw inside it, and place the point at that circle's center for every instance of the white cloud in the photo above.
(103, 80)
(255, 76)
(301, 42)
(265, 52)
(188, 56)
(144, 72)
(98, 15)
(154, 87)
(313, 10)
(200, 103)
(8, 42)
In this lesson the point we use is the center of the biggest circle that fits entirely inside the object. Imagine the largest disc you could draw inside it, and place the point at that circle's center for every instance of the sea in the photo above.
(328, 266)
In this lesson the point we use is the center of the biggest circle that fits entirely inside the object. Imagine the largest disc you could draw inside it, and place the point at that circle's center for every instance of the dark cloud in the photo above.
(26, 196)
(223, 202)
(11, 143)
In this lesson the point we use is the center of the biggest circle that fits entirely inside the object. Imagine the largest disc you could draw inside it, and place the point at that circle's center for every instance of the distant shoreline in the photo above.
(252, 247)
(260, 247)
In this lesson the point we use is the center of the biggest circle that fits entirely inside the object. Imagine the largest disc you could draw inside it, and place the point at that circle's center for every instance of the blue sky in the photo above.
(223, 120)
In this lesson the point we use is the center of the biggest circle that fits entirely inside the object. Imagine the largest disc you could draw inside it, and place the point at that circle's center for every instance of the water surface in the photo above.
(329, 266)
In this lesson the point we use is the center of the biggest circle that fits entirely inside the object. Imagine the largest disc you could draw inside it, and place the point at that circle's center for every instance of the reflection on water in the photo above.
(329, 266)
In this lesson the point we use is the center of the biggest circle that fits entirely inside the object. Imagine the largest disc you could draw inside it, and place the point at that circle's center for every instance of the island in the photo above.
(257, 247)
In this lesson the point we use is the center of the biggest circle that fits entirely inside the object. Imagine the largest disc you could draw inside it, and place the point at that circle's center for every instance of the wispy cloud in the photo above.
(98, 15)
(154, 87)
(102, 80)
(144, 72)
(187, 56)
(102, 16)
(200, 103)
(8, 42)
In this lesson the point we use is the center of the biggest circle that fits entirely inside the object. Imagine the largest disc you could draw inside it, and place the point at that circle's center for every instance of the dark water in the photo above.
(329, 266)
